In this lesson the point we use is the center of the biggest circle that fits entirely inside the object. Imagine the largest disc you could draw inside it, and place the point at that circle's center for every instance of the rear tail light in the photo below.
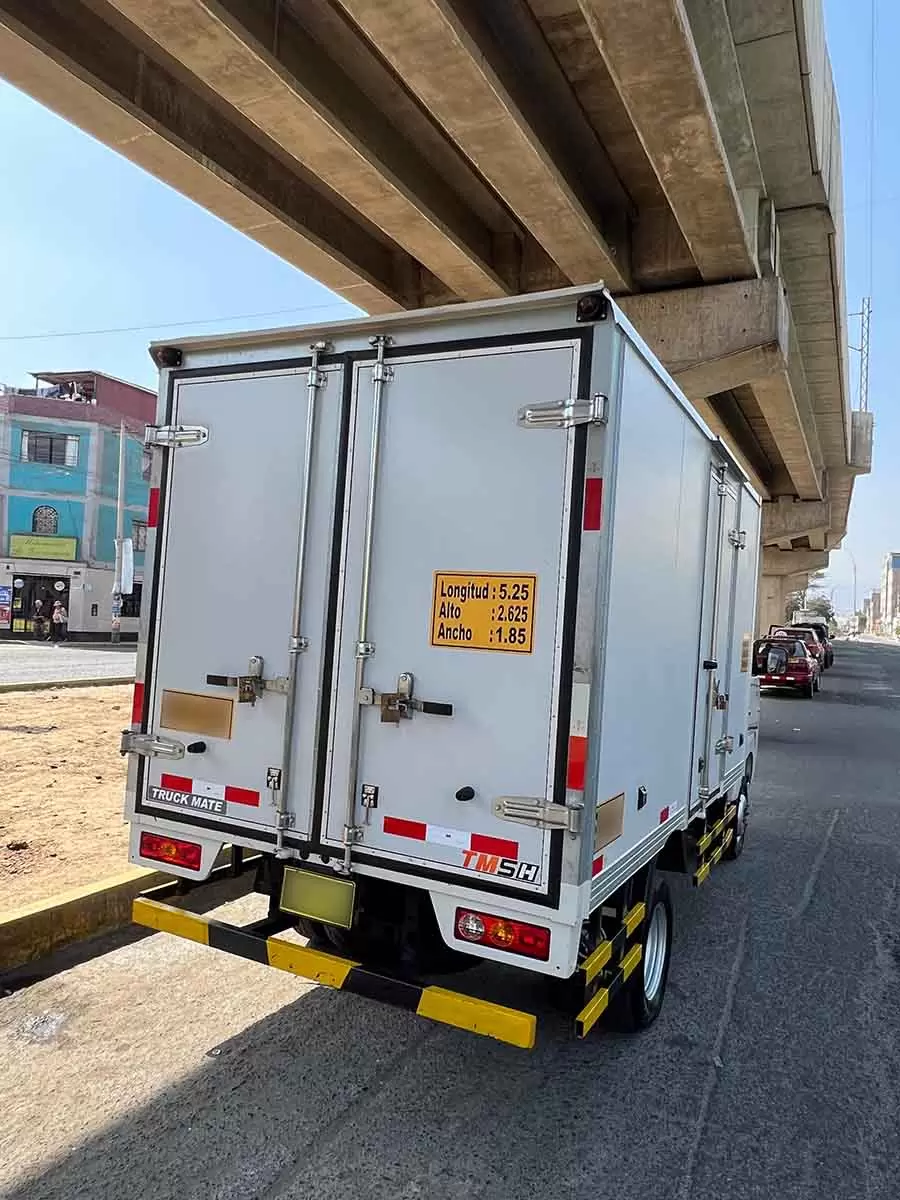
(171, 850)
(502, 934)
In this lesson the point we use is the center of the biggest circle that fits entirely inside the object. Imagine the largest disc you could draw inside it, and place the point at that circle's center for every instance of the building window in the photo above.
(45, 520)
(54, 449)
(131, 605)
(139, 536)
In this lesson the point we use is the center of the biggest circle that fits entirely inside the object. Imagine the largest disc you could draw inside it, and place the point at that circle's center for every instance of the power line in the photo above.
(276, 312)
(873, 94)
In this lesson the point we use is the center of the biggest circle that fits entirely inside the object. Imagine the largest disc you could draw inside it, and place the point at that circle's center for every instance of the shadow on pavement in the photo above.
(333, 1096)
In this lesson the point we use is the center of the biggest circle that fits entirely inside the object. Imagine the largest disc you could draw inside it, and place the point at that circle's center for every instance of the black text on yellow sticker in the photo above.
(483, 612)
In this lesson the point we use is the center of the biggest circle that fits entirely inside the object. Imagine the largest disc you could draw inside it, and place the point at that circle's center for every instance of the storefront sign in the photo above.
(5, 607)
(39, 545)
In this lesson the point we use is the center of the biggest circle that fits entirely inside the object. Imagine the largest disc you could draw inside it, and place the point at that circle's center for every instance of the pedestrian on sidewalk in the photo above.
(39, 629)
(59, 619)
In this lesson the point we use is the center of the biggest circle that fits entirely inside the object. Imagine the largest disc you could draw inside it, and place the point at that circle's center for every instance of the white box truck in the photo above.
(400, 650)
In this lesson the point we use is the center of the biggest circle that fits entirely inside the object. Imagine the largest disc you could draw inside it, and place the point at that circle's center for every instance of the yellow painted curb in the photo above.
(37, 929)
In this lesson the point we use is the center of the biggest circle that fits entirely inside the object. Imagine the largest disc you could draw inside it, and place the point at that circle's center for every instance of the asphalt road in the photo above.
(163, 1070)
(45, 662)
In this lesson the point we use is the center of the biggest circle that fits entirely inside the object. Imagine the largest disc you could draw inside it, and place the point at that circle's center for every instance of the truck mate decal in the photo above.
(483, 612)
(211, 791)
(506, 868)
(187, 800)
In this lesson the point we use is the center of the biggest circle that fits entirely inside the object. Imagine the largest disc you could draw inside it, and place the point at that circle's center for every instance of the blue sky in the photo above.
(91, 242)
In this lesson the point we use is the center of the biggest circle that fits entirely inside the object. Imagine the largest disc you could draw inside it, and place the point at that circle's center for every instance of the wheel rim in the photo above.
(740, 825)
(655, 951)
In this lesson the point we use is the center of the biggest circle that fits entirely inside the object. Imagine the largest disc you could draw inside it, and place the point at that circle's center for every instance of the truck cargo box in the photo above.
(402, 614)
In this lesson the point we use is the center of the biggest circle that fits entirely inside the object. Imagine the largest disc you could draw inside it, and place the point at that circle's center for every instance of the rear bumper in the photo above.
(780, 681)
(330, 970)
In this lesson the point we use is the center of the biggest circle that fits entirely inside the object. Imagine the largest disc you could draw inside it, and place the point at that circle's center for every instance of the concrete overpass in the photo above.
(410, 152)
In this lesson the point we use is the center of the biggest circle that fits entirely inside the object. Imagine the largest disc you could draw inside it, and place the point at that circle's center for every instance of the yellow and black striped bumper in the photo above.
(330, 970)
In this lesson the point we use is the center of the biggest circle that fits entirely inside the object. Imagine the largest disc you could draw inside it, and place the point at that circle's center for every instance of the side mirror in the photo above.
(755, 668)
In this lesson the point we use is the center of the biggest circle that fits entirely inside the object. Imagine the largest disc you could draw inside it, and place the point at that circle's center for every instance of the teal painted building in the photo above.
(59, 460)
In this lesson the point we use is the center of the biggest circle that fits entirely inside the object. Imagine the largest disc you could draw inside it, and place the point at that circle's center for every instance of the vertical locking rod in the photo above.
(381, 373)
(314, 380)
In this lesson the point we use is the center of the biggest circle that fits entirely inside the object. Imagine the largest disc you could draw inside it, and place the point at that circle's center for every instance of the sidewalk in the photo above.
(44, 662)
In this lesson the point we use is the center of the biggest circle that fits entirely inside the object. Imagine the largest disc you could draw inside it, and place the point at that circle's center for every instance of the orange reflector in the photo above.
(137, 704)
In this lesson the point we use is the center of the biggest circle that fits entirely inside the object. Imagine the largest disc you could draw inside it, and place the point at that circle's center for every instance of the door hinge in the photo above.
(169, 437)
(529, 810)
(353, 835)
(738, 538)
(563, 414)
(725, 745)
(149, 745)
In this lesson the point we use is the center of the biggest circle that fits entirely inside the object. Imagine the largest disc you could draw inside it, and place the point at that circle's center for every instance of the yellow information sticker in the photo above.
(483, 612)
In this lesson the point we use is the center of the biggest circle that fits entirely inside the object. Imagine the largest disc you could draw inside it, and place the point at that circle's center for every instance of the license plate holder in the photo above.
(318, 897)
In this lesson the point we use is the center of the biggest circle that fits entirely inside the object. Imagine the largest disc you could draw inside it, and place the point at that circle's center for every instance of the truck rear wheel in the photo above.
(739, 829)
(639, 1002)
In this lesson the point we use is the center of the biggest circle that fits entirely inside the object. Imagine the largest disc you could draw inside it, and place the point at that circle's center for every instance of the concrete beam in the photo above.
(711, 30)
(650, 53)
(449, 56)
(308, 107)
(715, 339)
(805, 562)
(67, 58)
(785, 519)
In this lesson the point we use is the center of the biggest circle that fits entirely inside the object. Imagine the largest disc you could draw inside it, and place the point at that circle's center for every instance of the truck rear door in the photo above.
(455, 618)
(225, 586)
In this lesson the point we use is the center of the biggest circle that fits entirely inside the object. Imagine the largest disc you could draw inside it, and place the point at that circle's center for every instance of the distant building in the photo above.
(59, 461)
(875, 607)
(890, 592)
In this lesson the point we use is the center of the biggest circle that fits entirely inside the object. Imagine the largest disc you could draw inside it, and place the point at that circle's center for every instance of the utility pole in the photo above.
(120, 535)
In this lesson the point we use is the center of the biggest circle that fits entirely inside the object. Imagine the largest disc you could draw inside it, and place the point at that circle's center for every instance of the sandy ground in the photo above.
(62, 784)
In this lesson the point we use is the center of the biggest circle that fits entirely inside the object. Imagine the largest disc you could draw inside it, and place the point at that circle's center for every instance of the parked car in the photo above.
(783, 662)
(809, 635)
(820, 628)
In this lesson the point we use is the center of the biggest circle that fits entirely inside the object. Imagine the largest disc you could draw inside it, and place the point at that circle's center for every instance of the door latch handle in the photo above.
(251, 686)
(400, 705)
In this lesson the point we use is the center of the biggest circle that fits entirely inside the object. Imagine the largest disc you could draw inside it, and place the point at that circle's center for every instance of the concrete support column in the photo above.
(770, 602)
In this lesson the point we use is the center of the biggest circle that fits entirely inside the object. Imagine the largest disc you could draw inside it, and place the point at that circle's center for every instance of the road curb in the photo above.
(31, 932)
(44, 685)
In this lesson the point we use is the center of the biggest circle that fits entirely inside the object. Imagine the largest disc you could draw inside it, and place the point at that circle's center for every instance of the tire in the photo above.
(639, 1002)
(742, 817)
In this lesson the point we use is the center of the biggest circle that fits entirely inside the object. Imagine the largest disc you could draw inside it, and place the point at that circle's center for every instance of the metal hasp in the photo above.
(150, 745)
(528, 810)
(725, 745)
(738, 538)
(400, 705)
(170, 437)
(564, 414)
(251, 686)
(382, 373)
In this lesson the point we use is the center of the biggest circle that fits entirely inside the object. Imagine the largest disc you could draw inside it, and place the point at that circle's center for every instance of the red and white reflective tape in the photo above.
(578, 740)
(213, 791)
(459, 839)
